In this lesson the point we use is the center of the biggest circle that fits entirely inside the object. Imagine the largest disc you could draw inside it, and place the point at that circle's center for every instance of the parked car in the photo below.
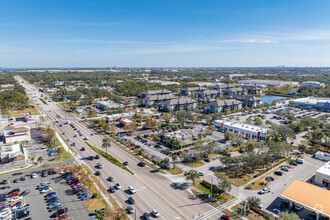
(131, 200)
(52, 199)
(55, 207)
(112, 189)
(46, 189)
(59, 212)
(17, 180)
(130, 209)
(22, 213)
(25, 192)
(50, 195)
(110, 179)
(99, 165)
(226, 217)
(300, 161)
(62, 216)
(285, 168)
(118, 186)
(201, 173)
(278, 173)
(34, 175)
(97, 173)
(155, 213)
(23, 178)
(125, 163)
(131, 189)
(146, 216)
(95, 211)
(44, 174)
(223, 141)
(141, 164)
(97, 156)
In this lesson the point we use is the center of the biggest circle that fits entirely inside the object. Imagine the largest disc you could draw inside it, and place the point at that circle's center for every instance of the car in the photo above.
(97, 173)
(97, 156)
(17, 180)
(62, 216)
(86, 138)
(46, 189)
(110, 179)
(141, 164)
(22, 213)
(264, 190)
(4, 182)
(59, 212)
(23, 178)
(112, 189)
(50, 206)
(278, 173)
(52, 199)
(25, 192)
(125, 163)
(200, 173)
(223, 141)
(130, 209)
(300, 161)
(208, 160)
(155, 213)
(54, 208)
(87, 196)
(225, 217)
(285, 168)
(75, 136)
(131, 200)
(118, 186)
(33, 175)
(50, 195)
(298, 207)
(44, 174)
(131, 189)
(99, 165)
(82, 149)
(16, 198)
(42, 185)
(90, 158)
(12, 194)
(95, 211)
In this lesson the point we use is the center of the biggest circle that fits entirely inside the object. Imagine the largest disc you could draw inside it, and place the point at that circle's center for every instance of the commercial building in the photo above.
(252, 89)
(244, 129)
(178, 104)
(108, 104)
(321, 104)
(224, 105)
(59, 83)
(315, 84)
(322, 176)
(247, 100)
(114, 117)
(155, 93)
(267, 83)
(310, 196)
(150, 100)
(125, 121)
(9, 153)
(192, 90)
(15, 134)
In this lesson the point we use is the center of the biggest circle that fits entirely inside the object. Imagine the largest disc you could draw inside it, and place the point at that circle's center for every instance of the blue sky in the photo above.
(160, 33)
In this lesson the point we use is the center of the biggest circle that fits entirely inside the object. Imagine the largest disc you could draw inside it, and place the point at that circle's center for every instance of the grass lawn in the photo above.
(65, 156)
(225, 197)
(232, 215)
(256, 185)
(175, 171)
(18, 113)
(196, 164)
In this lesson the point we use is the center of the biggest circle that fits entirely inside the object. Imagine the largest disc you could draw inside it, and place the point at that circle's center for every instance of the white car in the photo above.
(131, 189)
(155, 213)
(285, 168)
(298, 207)
(34, 175)
(118, 186)
(264, 190)
(47, 189)
(201, 173)
(16, 198)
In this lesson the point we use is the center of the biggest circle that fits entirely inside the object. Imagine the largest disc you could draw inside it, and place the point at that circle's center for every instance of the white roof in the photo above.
(312, 100)
(244, 126)
(325, 169)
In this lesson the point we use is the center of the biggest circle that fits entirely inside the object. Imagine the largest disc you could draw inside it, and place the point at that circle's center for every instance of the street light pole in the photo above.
(100, 184)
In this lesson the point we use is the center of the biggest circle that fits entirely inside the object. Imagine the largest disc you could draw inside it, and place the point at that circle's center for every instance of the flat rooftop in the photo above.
(325, 169)
(310, 196)
(312, 100)
(244, 126)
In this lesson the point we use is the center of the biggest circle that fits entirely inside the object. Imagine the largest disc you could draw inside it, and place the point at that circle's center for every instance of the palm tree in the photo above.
(40, 159)
(105, 144)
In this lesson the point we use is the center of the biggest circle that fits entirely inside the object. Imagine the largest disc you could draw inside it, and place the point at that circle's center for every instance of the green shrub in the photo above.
(94, 195)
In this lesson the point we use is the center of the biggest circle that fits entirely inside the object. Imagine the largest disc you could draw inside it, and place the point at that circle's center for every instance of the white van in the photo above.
(300, 161)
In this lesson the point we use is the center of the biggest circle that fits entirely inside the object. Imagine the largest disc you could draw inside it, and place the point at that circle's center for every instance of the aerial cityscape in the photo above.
(165, 109)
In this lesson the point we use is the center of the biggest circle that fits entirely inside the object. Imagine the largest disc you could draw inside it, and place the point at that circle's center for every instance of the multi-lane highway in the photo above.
(154, 190)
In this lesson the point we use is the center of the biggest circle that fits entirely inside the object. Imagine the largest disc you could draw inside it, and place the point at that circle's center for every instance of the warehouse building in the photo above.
(321, 104)
(247, 130)
(267, 83)
(316, 85)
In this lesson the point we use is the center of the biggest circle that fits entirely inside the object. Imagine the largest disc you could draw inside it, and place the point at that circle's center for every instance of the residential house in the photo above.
(224, 105)
(192, 90)
(235, 91)
(178, 104)
(247, 100)
(252, 89)
(155, 92)
(150, 100)
(208, 94)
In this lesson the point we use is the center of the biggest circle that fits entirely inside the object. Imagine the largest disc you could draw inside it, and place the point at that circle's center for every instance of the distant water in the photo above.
(293, 91)
(270, 98)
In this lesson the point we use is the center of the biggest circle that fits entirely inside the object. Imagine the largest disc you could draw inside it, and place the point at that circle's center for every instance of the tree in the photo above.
(281, 132)
(229, 135)
(223, 183)
(60, 151)
(254, 201)
(288, 216)
(174, 158)
(257, 121)
(192, 175)
(92, 114)
(40, 159)
(183, 117)
(105, 144)
(100, 215)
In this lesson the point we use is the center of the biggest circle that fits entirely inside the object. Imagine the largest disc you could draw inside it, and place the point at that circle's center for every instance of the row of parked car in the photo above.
(76, 186)
(12, 206)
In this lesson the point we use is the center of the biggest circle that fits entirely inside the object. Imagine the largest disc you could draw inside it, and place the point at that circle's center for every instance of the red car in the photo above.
(226, 217)
(223, 141)
(13, 194)
(81, 189)
(75, 184)
(132, 145)
(62, 216)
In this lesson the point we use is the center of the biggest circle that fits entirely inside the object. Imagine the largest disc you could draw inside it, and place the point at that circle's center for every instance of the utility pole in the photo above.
(211, 188)
(100, 184)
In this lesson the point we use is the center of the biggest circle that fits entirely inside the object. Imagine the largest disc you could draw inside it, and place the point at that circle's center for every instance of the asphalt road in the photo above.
(153, 189)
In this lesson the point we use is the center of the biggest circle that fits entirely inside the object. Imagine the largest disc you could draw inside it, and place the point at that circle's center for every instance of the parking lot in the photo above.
(37, 204)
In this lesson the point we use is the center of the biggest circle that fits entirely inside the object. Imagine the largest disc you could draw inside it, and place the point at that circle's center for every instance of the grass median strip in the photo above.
(109, 158)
